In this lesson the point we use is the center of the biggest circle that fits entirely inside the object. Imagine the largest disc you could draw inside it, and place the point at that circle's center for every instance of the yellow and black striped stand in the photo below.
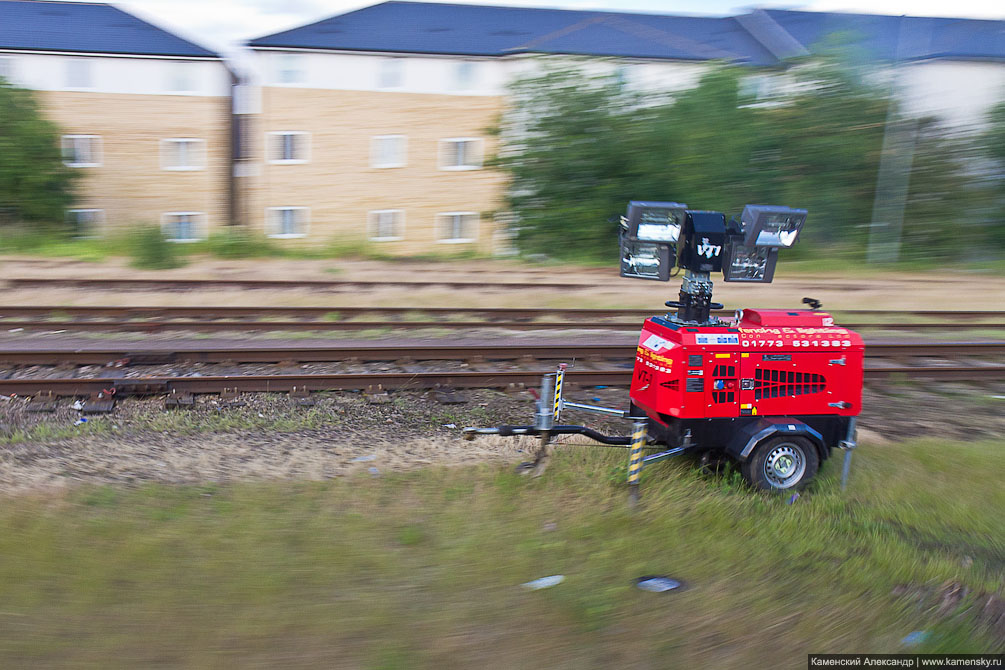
(559, 378)
(635, 462)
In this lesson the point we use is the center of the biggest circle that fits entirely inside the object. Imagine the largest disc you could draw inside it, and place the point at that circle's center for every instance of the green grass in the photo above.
(422, 570)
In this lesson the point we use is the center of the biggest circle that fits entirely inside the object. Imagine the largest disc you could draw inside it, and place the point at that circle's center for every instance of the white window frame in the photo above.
(8, 68)
(459, 83)
(270, 148)
(456, 240)
(185, 72)
(199, 152)
(271, 222)
(283, 63)
(198, 226)
(386, 67)
(68, 64)
(97, 223)
(375, 152)
(446, 154)
(96, 150)
(372, 225)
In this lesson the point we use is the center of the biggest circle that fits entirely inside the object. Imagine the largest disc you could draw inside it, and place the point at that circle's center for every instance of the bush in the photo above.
(236, 242)
(150, 250)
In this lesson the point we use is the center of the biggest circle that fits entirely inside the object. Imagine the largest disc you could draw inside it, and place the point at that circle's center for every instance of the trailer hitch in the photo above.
(549, 406)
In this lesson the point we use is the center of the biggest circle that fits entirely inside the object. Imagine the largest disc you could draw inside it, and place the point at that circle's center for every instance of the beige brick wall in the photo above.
(340, 187)
(130, 184)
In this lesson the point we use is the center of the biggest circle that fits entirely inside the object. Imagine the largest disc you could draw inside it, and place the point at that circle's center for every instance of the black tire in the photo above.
(782, 463)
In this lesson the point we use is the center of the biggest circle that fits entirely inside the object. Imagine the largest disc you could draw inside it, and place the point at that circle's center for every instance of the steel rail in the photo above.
(316, 284)
(493, 313)
(340, 284)
(429, 352)
(402, 380)
(154, 326)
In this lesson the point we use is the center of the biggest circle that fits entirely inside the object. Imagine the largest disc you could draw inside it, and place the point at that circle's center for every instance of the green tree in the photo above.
(568, 149)
(992, 146)
(577, 149)
(35, 186)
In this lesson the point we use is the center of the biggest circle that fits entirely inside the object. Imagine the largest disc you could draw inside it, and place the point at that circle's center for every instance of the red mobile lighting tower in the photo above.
(774, 390)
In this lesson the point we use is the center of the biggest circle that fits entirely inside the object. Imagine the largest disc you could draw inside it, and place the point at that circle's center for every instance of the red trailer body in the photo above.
(766, 363)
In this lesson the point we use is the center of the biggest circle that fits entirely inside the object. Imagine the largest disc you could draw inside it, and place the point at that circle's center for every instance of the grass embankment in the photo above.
(423, 569)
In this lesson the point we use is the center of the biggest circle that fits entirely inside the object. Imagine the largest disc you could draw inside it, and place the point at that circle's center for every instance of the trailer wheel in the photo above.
(781, 463)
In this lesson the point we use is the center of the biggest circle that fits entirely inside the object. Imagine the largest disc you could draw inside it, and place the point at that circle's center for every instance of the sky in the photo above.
(222, 25)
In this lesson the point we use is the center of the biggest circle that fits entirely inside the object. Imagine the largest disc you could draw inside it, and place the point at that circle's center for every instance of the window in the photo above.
(181, 77)
(461, 153)
(287, 222)
(78, 73)
(288, 146)
(7, 69)
(464, 75)
(391, 74)
(387, 225)
(388, 151)
(183, 153)
(290, 69)
(81, 151)
(84, 222)
(457, 227)
(183, 226)
(761, 90)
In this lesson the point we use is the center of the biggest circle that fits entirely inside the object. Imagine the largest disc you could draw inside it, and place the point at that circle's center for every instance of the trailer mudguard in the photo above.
(748, 437)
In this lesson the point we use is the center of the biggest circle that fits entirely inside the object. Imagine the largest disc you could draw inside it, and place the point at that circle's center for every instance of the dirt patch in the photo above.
(268, 436)
(172, 459)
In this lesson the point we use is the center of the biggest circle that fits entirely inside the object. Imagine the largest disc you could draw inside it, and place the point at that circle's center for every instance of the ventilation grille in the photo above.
(724, 371)
(673, 384)
(722, 396)
(695, 384)
(786, 383)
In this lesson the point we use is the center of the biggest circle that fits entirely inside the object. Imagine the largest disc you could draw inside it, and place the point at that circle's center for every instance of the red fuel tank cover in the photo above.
(783, 317)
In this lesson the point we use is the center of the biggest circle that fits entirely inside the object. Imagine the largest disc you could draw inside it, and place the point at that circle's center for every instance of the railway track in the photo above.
(402, 381)
(332, 285)
(605, 364)
(338, 285)
(302, 319)
(426, 352)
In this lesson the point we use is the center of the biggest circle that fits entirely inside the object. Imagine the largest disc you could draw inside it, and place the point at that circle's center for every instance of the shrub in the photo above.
(237, 242)
(150, 250)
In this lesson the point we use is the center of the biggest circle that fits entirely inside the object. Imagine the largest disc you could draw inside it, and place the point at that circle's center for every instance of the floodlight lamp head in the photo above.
(649, 221)
(771, 226)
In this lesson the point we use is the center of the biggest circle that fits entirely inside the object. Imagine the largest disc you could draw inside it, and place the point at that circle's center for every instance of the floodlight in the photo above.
(655, 221)
(749, 264)
(645, 260)
(771, 226)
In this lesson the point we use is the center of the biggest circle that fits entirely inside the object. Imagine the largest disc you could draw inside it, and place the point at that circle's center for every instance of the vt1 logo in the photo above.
(708, 250)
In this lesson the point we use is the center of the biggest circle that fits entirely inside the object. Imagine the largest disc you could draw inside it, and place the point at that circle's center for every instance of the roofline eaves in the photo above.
(105, 54)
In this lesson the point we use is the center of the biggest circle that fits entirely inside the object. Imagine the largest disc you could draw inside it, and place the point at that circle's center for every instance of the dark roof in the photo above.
(86, 28)
(899, 37)
(762, 37)
(485, 30)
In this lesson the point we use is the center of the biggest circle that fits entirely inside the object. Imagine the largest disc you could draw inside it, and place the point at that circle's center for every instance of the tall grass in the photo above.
(422, 569)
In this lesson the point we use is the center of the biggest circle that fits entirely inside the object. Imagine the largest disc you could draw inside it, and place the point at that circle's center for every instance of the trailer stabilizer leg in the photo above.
(848, 445)
(635, 461)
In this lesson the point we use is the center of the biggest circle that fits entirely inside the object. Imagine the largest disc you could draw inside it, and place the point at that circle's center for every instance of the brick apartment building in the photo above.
(145, 115)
